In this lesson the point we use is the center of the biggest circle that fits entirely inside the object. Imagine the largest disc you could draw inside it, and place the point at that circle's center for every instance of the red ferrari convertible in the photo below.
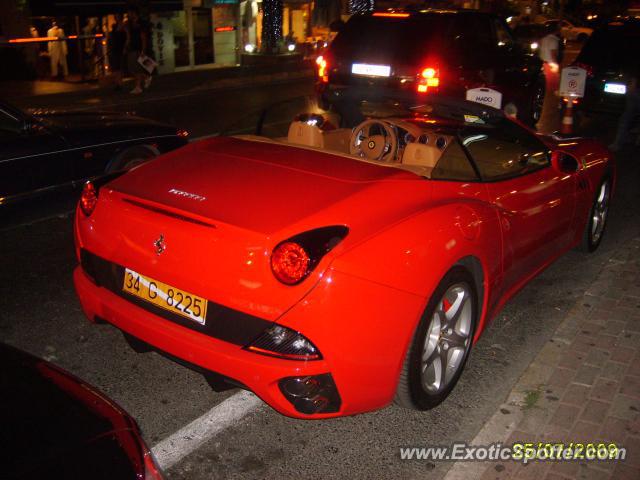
(344, 265)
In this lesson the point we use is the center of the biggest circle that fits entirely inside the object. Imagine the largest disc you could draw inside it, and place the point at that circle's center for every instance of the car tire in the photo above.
(441, 343)
(131, 157)
(598, 214)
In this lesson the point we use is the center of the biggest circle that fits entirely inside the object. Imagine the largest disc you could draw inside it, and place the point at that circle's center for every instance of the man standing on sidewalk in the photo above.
(550, 54)
(136, 45)
(116, 45)
(57, 50)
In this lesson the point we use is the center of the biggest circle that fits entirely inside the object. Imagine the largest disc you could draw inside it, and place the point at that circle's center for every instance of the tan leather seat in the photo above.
(302, 133)
(421, 155)
(337, 140)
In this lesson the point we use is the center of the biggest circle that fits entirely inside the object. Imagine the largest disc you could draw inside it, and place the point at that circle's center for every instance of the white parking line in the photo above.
(189, 438)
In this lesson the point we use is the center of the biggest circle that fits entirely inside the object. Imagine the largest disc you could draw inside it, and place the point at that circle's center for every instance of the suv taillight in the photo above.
(323, 69)
(428, 80)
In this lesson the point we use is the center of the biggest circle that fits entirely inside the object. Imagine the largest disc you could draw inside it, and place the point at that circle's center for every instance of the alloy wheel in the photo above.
(599, 213)
(448, 339)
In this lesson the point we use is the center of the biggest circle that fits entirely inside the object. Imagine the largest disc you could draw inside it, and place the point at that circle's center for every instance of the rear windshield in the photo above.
(615, 49)
(397, 40)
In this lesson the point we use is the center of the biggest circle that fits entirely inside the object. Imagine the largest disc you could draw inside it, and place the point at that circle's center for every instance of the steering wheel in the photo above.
(374, 140)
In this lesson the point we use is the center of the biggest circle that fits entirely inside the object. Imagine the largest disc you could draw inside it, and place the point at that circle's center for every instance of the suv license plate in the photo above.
(371, 70)
(618, 88)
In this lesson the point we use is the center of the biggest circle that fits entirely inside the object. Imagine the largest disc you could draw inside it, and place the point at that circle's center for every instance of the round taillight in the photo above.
(88, 199)
(429, 72)
(290, 263)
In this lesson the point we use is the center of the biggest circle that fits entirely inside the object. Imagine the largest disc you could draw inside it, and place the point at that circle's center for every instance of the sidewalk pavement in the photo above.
(74, 95)
(583, 387)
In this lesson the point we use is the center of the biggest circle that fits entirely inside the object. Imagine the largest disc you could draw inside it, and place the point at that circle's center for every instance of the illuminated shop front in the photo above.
(303, 22)
(204, 33)
(185, 34)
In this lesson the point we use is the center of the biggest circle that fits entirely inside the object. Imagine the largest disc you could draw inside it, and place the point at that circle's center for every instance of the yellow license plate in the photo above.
(165, 296)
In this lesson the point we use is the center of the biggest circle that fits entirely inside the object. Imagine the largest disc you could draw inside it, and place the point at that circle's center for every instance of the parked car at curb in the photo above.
(334, 270)
(570, 31)
(44, 151)
(54, 425)
(610, 58)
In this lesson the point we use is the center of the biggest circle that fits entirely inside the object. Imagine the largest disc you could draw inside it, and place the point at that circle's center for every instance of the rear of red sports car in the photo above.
(223, 255)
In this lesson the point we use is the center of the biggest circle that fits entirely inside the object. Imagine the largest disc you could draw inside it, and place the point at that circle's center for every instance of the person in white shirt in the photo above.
(57, 51)
(549, 52)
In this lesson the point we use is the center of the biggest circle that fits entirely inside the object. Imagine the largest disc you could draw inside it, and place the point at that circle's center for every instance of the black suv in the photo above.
(447, 52)
(611, 58)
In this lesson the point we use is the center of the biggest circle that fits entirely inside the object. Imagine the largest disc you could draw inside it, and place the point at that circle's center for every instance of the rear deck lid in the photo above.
(258, 186)
(219, 207)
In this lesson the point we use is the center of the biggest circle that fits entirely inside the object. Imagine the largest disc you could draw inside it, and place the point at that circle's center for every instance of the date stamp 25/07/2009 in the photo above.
(524, 452)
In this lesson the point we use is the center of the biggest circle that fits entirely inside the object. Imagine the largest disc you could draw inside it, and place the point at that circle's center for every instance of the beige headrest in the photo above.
(301, 133)
(421, 155)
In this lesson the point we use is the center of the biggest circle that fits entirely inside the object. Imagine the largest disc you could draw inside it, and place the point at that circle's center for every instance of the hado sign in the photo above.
(572, 82)
(486, 96)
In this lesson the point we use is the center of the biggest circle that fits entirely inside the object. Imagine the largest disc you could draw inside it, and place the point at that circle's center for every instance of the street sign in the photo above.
(572, 82)
(486, 96)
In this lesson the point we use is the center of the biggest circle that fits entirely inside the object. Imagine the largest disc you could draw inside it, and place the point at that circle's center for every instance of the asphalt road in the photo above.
(201, 109)
(40, 313)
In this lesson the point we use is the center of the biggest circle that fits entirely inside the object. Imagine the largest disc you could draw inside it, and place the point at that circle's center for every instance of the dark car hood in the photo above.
(93, 127)
(47, 414)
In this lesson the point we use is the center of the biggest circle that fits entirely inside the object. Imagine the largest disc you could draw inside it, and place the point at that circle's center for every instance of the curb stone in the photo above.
(583, 386)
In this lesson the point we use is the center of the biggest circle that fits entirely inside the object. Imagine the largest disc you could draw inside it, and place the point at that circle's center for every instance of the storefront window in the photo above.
(226, 33)
(181, 39)
(202, 36)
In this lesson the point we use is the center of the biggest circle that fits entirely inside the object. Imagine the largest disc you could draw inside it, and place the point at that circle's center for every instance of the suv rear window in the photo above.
(408, 40)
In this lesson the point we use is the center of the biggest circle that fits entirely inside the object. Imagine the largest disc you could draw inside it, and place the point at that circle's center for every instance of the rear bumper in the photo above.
(260, 374)
(597, 101)
(351, 325)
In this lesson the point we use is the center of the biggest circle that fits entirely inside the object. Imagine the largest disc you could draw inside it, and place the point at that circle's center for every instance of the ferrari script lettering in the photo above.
(191, 196)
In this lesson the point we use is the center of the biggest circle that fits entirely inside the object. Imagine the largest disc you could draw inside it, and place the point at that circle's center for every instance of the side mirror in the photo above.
(564, 162)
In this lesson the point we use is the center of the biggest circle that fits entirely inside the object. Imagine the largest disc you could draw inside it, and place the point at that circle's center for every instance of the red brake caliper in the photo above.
(446, 305)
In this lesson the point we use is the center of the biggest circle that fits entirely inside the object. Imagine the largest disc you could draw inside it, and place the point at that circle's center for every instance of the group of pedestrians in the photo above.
(129, 48)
